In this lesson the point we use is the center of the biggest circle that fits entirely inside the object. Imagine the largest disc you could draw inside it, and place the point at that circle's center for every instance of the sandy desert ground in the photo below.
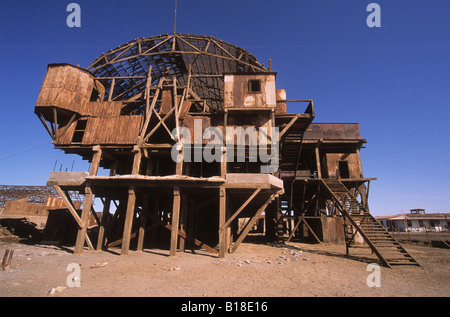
(254, 270)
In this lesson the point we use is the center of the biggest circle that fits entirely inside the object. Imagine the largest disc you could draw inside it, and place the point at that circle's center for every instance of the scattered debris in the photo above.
(58, 289)
(97, 265)
(7, 258)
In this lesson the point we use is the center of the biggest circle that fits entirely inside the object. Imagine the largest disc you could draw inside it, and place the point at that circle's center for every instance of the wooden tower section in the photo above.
(195, 137)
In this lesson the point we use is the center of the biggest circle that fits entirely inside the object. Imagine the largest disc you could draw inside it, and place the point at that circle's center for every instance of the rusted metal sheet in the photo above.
(333, 168)
(250, 91)
(202, 124)
(332, 131)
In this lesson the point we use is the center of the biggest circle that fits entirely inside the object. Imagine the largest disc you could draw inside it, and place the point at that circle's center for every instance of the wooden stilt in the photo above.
(128, 220)
(105, 213)
(143, 221)
(131, 204)
(82, 232)
(319, 172)
(175, 221)
(222, 216)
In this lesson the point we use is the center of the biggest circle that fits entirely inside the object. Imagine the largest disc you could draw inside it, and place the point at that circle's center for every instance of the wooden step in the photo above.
(372, 231)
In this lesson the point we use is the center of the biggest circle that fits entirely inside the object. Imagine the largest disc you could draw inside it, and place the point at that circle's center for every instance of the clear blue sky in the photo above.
(394, 80)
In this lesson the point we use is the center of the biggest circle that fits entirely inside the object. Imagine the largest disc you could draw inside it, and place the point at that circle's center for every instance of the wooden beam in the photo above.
(226, 224)
(137, 161)
(128, 220)
(44, 122)
(82, 236)
(72, 119)
(252, 221)
(161, 121)
(111, 89)
(152, 107)
(143, 221)
(181, 233)
(319, 172)
(289, 125)
(175, 221)
(175, 102)
(82, 232)
(222, 218)
(69, 206)
(55, 121)
(147, 91)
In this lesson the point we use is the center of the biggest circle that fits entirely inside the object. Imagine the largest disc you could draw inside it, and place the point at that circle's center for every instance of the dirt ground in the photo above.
(254, 270)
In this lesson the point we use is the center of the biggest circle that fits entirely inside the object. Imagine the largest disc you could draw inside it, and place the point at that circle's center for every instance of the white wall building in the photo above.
(416, 221)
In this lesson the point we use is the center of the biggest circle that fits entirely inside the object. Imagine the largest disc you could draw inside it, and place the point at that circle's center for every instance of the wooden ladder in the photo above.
(387, 248)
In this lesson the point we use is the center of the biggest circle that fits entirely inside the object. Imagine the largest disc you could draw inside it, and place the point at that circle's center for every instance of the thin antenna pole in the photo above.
(175, 18)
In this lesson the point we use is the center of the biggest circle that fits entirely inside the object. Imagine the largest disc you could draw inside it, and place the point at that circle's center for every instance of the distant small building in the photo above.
(416, 221)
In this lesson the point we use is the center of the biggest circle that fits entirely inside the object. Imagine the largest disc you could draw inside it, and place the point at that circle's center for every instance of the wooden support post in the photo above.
(143, 221)
(316, 209)
(82, 232)
(47, 128)
(179, 163)
(319, 172)
(222, 216)
(223, 162)
(55, 122)
(105, 213)
(111, 89)
(147, 92)
(128, 220)
(150, 110)
(175, 221)
(137, 160)
(175, 102)
(131, 204)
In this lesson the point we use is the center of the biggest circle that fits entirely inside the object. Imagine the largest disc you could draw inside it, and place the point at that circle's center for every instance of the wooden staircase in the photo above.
(387, 249)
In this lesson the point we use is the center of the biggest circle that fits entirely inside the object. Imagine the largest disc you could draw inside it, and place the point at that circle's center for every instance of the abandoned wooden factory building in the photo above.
(196, 136)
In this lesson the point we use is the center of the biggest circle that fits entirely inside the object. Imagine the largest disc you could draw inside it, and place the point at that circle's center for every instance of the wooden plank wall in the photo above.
(101, 109)
(113, 130)
(65, 86)
(106, 130)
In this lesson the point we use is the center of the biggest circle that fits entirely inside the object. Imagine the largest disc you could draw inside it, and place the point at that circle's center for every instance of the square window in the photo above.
(254, 85)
